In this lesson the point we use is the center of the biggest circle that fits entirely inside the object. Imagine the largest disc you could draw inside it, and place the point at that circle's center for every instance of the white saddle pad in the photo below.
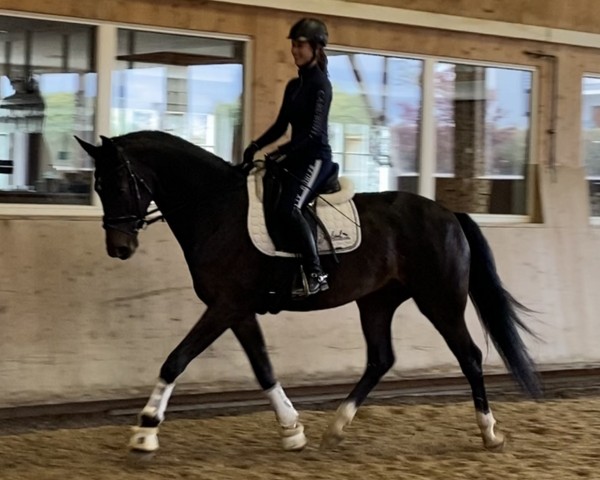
(341, 219)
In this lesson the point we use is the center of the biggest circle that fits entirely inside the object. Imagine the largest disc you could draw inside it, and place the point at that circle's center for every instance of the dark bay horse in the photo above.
(411, 248)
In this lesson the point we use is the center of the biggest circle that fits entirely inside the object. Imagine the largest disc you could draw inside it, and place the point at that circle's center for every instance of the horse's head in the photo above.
(125, 197)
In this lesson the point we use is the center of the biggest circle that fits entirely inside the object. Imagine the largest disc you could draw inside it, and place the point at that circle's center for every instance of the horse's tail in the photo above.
(497, 309)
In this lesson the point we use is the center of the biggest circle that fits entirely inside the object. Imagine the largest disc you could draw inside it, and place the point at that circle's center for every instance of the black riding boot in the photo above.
(315, 277)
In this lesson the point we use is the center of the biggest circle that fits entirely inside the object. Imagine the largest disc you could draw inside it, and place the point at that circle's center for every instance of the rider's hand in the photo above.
(248, 157)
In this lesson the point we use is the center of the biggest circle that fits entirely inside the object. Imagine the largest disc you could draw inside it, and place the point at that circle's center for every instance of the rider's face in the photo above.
(302, 53)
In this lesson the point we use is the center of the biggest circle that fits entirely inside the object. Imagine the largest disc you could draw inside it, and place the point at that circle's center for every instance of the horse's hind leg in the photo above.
(451, 324)
(376, 313)
(210, 327)
(250, 336)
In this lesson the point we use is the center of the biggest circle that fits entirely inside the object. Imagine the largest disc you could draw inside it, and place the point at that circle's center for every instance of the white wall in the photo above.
(78, 325)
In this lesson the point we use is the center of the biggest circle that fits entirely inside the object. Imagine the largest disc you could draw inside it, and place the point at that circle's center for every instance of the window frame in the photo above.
(594, 220)
(427, 159)
(105, 52)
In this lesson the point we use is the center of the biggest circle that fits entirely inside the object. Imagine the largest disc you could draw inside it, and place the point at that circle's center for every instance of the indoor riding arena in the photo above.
(490, 108)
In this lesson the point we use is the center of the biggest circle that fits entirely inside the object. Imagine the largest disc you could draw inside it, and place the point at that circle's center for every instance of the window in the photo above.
(183, 84)
(482, 134)
(374, 119)
(590, 127)
(189, 86)
(482, 118)
(48, 93)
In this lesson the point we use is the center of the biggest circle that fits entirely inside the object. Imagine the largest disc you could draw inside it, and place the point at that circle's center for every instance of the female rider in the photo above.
(306, 158)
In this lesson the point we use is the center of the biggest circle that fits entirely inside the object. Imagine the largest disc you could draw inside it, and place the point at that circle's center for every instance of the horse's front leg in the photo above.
(211, 326)
(250, 336)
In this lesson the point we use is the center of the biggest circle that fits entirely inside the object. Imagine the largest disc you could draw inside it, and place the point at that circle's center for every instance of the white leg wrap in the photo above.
(486, 423)
(292, 431)
(344, 416)
(144, 439)
(335, 432)
(293, 439)
(157, 403)
(287, 416)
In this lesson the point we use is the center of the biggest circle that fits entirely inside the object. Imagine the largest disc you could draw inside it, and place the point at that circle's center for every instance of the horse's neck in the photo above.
(195, 198)
(198, 226)
(181, 179)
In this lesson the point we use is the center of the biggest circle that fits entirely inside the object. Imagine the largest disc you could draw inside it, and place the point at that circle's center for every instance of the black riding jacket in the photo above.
(305, 106)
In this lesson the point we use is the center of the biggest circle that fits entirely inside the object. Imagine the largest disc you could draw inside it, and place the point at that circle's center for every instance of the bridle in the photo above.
(136, 183)
(141, 218)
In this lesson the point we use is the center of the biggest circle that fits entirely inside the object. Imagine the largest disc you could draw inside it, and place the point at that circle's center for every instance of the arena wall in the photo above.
(77, 325)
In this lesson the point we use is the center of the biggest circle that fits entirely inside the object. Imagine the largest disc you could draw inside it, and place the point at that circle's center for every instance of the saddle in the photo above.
(332, 215)
(333, 219)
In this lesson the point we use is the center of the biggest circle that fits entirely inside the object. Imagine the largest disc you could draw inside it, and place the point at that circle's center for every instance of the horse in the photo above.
(412, 247)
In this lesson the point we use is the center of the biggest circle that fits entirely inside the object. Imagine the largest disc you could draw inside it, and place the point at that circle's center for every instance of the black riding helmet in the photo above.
(309, 30)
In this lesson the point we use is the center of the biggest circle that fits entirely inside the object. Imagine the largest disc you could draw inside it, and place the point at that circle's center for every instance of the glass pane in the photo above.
(590, 127)
(374, 119)
(189, 86)
(483, 128)
(48, 91)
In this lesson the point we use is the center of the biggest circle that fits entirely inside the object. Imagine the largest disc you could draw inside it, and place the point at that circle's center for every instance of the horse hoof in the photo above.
(497, 444)
(139, 457)
(293, 439)
(331, 439)
(144, 440)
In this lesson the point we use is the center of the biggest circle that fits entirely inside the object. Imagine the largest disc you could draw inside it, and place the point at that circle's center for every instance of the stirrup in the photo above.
(313, 283)
(317, 282)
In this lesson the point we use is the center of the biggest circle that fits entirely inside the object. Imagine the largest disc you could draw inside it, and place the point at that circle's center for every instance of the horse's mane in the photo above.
(157, 140)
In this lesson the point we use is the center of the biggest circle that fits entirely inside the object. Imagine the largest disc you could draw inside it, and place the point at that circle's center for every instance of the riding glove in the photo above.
(248, 158)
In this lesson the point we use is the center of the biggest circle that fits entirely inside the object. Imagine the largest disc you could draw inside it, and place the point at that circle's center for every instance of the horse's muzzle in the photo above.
(120, 245)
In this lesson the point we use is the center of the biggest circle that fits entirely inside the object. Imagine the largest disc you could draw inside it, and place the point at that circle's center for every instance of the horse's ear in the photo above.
(109, 147)
(92, 150)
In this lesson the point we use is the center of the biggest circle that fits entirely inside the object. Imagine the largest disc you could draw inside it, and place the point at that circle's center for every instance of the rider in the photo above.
(306, 158)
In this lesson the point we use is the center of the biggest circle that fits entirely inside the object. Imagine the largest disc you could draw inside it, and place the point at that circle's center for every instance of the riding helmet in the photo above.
(309, 30)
